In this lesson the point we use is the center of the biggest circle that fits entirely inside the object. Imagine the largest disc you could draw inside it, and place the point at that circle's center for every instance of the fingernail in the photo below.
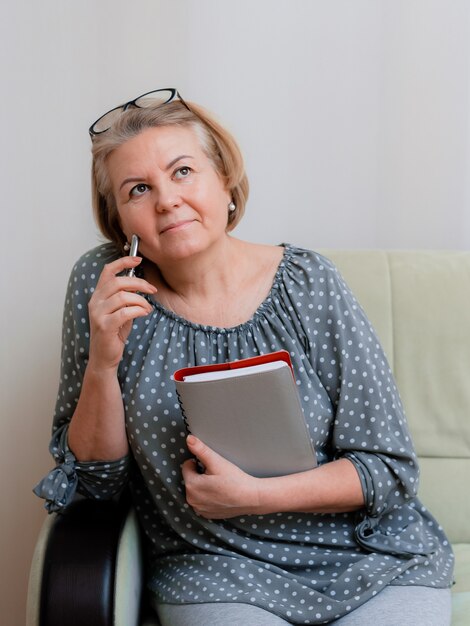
(191, 440)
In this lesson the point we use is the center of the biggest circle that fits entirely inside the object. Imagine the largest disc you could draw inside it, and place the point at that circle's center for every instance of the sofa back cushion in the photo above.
(419, 304)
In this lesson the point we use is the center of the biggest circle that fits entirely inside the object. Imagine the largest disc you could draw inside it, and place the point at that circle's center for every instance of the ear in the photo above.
(232, 212)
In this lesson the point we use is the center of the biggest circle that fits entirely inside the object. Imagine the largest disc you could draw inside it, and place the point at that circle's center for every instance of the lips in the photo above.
(175, 226)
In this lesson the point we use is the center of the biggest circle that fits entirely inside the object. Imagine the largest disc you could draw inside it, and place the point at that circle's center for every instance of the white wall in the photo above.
(354, 118)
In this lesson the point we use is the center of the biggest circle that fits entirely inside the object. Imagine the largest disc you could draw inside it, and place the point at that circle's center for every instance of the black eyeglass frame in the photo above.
(174, 95)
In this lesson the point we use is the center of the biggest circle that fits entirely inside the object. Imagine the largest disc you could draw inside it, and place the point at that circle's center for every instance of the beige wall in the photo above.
(354, 118)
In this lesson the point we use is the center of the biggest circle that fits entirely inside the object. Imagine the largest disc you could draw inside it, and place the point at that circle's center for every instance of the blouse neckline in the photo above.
(286, 257)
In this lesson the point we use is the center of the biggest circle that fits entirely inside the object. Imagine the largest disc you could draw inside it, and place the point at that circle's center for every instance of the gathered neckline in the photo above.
(286, 256)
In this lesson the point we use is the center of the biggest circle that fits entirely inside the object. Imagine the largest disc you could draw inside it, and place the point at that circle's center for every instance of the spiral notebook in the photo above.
(248, 411)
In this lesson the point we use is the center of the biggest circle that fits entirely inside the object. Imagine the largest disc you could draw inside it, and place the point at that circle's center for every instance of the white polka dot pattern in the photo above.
(308, 568)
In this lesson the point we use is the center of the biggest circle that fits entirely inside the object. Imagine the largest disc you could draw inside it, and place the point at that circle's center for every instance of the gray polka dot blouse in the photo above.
(308, 568)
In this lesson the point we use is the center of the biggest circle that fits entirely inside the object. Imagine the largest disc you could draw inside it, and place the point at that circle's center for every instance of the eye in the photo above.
(182, 172)
(138, 190)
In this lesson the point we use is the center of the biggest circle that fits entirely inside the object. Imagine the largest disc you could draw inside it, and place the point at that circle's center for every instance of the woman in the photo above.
(345, 543)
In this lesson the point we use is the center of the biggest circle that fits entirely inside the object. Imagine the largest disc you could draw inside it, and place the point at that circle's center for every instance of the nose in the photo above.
(167, 197)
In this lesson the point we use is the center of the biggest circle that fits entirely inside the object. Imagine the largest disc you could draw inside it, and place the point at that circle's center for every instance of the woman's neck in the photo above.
(201, 277)
(224, 289)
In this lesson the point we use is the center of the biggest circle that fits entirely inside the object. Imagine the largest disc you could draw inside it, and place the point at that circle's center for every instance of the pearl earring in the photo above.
(127, 246)
(232, 206)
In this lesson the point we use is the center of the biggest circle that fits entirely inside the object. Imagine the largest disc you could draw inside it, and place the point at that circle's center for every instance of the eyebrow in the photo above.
(174, 161)
(135, 179)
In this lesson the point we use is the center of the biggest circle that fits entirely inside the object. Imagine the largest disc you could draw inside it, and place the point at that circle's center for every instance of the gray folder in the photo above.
(255, 421)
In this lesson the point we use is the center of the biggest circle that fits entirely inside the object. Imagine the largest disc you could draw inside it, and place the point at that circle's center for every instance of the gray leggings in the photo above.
(407, 606)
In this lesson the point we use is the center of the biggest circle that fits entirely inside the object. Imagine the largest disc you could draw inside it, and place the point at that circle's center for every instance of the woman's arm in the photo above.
(334, 487)
(225, 491)
(89, 442)
(97, 429)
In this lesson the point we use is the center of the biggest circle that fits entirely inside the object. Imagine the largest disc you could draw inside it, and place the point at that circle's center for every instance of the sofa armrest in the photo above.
(87, 567)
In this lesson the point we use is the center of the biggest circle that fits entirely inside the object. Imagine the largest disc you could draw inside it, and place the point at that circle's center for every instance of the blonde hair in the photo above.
(218, 144)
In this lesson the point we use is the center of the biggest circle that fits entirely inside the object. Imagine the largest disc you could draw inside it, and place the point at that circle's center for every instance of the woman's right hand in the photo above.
(112, 308)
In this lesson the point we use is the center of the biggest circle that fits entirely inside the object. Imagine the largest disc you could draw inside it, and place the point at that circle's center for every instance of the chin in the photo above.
(181, 249)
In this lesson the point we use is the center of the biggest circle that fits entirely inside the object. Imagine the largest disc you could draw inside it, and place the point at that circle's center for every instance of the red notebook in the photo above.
(248, 411)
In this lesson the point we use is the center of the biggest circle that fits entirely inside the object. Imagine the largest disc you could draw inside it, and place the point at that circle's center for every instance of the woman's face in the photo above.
(168, 193)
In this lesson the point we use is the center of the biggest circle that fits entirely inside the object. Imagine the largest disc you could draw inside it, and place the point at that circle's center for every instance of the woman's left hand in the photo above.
(224, 490)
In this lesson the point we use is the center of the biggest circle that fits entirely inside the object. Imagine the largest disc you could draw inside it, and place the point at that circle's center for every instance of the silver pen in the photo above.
(133, 252)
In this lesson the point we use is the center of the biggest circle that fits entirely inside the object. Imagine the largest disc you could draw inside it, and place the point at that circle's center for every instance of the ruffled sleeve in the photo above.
(101, 479)
(370, 427)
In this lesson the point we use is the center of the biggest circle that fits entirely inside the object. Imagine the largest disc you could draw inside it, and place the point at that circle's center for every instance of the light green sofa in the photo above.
(419, 303)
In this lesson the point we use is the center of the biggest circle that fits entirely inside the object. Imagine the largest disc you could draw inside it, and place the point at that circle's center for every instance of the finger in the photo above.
(119, 265)
(111, 270)
(135, 284)
(111, 314)
(120, 300)
(122, 283)
(189, 470)
(128, 313)
(209, 459)
(114, 321)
